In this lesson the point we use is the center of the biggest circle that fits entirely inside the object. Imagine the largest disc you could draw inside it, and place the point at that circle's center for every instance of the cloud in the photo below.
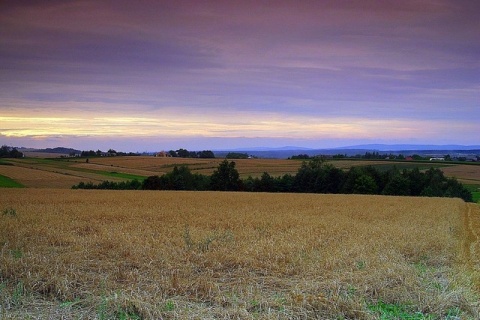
(248, 69)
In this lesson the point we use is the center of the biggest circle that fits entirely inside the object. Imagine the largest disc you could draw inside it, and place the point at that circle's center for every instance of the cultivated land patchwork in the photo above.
(64, 173)
(83, 254)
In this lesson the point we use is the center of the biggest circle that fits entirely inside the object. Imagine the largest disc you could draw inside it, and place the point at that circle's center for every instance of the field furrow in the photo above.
(471, 242)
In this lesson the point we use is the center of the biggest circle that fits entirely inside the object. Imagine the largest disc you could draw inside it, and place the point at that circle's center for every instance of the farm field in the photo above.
(467, 174)
(127, 168)
(246, 167)
(84, 254)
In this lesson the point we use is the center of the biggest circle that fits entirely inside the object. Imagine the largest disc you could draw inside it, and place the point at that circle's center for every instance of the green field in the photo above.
(6, 182)
(475, 191)
(408, 166)
(119, 175)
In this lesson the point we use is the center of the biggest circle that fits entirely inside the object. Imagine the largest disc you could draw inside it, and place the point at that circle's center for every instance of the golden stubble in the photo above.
(237, 254)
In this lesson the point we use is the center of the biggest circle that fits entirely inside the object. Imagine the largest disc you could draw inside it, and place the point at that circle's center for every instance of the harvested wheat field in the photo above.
(464, 173)
(37, 178)
(90, 254)
(156, 166)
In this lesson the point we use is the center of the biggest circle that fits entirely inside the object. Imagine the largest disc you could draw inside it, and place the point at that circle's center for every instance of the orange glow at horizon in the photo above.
(234, 126)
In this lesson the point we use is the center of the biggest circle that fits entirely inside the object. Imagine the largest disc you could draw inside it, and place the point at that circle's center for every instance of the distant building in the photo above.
(409, 158)
(437, 159)
(162, 154)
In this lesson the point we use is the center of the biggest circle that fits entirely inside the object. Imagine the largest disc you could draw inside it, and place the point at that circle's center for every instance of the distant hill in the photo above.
(366, 147)
(60, 150)
(404, 147)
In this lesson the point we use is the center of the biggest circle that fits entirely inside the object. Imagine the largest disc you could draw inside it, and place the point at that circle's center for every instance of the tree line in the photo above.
(9, 152)
(368, 155)
(384, 156)
(184, 153)
(100, 153)
(314, 176)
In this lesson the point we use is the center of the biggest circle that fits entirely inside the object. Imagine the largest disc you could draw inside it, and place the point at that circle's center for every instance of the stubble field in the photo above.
(90, 254)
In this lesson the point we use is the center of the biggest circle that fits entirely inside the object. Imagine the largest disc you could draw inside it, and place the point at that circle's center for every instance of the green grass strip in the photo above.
(6, 182)
(120, 175)
(475, 191)
(408, 166)
(394, 311)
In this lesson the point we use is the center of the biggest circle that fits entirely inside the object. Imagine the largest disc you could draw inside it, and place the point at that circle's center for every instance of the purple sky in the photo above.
(152, 75)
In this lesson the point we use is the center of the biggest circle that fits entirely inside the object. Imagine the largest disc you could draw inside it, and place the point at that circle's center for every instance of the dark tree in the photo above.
(226, 177)
(416, 181)
(398, 185)
(333, 179)
(434, 183)
(206, 154)
(455, 189)
(152, 183)
(236, 155)
(9, 152)
(267, 183)
(183, 153)
(365, 184)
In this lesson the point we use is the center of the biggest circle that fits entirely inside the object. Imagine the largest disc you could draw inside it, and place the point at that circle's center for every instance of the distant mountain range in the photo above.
(405, 149)
(369, 147)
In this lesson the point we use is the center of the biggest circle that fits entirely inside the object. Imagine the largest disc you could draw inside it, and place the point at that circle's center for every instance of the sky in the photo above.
(151, 75)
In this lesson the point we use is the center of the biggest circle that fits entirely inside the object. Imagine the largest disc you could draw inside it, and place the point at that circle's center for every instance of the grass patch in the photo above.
(9, 212)
(6, 182)
(395, 311)
(474, 190)
(115, 174)
(407, 166)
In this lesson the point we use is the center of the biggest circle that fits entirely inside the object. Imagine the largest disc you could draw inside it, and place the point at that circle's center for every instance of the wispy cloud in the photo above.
(283, 69)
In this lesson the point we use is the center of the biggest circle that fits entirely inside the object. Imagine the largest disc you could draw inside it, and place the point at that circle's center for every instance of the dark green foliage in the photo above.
(9, 152)
(184, 153)
(455, 189)
(300, 156)
(266, 183)
(365, 184)
(398, 186)
(206, 154)
(110, 185)
(236, 155)
(152, 183)
(317, 176)
(474, 191)
(416, 180)
(314, 176)
(181, 178)
(226, 177)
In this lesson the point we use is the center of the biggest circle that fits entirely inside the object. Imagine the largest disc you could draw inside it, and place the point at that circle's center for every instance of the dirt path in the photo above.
(471, 242)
